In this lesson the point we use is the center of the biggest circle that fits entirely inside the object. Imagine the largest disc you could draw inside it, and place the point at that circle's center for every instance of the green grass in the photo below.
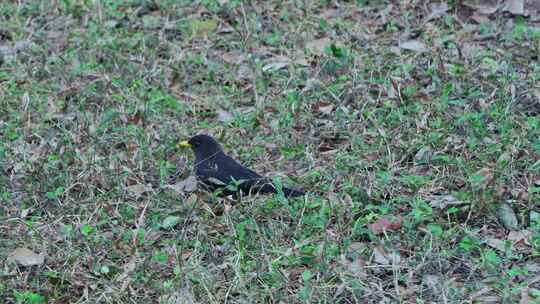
(94, 97)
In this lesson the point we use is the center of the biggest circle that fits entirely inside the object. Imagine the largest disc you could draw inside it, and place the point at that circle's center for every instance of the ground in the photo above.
(412, 125)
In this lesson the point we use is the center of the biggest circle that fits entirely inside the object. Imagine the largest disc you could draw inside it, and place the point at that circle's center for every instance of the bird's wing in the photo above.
(250, 181)
(207, 171)
(222, 171)
(229, 168)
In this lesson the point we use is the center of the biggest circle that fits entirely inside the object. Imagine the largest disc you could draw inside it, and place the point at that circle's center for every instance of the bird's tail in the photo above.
(268, 187)
(292, 192)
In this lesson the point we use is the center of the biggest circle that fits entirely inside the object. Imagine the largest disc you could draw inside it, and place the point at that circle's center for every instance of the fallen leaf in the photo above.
(437, 10)
(25, 257)
(55, 108)
(324, 107)
(525, 298)
(25, 212)
(357, 247)
(138, 189)
(356, 267)
(55, 105)
(487, 299)
(381, 257)
(515, 7)
(534, 217)
(471, 49)
(317, 46)
(234, 57)
(224, 116)
(187, 185)
(371, 157)
(386, 224)
(170, 221)
(276, 63)
(151, 22)
(480, 293)
(460, 183)
(484, 8)
(442, 202)
(182, 296)
(423, 155)
(508, 217)
(414, 45)
(9, 51)
(311, 84)
(245, 72)
(201, 27)
(432, 282)
(496, 243)
(299, 58)
(482, 178)
(125, 276)
(518, 236)
(479, 18)
(532, 267)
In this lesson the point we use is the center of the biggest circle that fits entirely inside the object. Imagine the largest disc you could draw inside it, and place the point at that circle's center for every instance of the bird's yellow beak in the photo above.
(184, 144)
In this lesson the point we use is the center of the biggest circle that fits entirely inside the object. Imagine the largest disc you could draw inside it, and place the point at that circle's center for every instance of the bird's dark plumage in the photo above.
(216, 170)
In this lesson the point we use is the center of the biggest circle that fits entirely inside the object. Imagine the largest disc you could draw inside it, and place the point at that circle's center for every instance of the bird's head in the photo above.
(202, 145)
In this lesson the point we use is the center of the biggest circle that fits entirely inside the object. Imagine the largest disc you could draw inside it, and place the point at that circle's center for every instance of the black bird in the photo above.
(218, 171)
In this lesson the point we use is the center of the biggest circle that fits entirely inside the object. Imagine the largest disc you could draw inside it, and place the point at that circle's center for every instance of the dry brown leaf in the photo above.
(515, 7)
(299, 58)
(414, 45)
(327, 109)
(371, 157)
(432, 282)
(356, 267)
(182, 296)
(525, 298)
(508, 217)
(25, 257)
(496, 243)
(487, 299)
(317, 46)
(386, 224)
(276, 63)
(55, 108)
(323, 107)
(138, 189)
(481, 292)
(128, 268)
(487, 178)
(224, 116)
(245, 72)
(423, 155)
(534, 217)
(484, 7)
(381, 257)
(479, 18)
(187, 185)
(234, 57)
(460, 183)
(437, 10)
(471, 49)
(444, 201)
(518, 236)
